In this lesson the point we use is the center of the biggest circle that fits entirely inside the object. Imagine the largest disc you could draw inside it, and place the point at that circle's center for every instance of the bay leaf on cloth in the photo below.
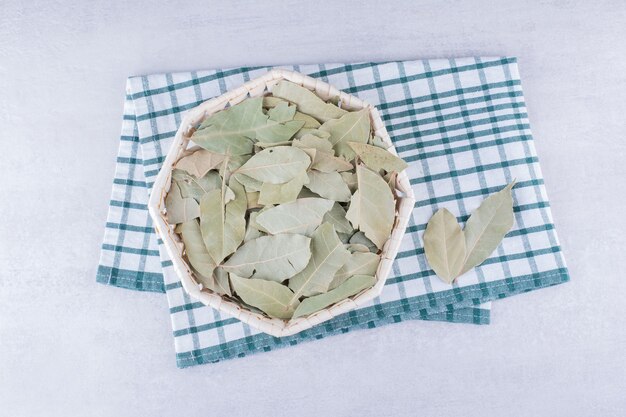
(487, 226)
(444, 245)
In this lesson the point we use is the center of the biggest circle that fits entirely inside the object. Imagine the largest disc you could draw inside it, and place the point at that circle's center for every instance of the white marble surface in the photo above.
(69, 346)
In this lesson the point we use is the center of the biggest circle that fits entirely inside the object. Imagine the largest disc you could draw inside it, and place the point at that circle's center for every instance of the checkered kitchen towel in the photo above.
(460, 123)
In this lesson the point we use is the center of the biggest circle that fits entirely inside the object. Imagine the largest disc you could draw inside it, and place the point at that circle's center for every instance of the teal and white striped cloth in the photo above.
(460, 123)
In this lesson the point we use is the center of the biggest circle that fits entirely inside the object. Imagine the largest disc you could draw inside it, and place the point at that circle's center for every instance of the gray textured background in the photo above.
(71, 347)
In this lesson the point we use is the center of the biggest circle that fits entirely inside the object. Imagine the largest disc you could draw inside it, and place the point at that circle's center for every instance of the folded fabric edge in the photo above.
(132, 280)
(251, 345)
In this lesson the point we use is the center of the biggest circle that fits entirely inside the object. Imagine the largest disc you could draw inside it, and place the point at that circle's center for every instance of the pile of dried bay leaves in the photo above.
(286, 203)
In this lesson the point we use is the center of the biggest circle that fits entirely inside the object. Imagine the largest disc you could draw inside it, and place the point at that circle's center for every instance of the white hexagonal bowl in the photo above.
(175, 248)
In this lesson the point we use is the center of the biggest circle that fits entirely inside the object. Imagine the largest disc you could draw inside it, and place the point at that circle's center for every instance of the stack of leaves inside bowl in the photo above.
(286, 202)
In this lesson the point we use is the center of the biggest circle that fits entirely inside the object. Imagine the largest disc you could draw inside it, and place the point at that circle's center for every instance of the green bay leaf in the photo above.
(307, 101)
(301, 216)
(351, 287)
(274, 258)
(328, 255)
(487, 226)
(444, 245)
(372, 206)
(272, 298)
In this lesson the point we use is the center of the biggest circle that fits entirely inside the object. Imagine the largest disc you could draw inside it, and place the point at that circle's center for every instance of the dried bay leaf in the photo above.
(351, 287)
(324, 162)
(222, 221)
(232, 131)
(487, 226)
(372, 206)
(378, 142)
(195, 250)
(276, 165)
(309, 122)
(282, 112)
(274, 258)
(315, 142)
(252, 232)
(337, 217)
(359, 263)
(328, 255)
(193, 187)
(301, 216)
(270, 297)
(306, 193)
(351, 127)
(329, 185)
(357, 247)
(315, 132)
(250, 184)
(282, 193)
(350, 179)
(391, 179)
(179, 209)
(359, 238)
(444, 245)
(218, 282)
(272, 144)
(345, 238)
(271, 102)
(253, 199)
(307, 101)
(376, 158)
(200, 162)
